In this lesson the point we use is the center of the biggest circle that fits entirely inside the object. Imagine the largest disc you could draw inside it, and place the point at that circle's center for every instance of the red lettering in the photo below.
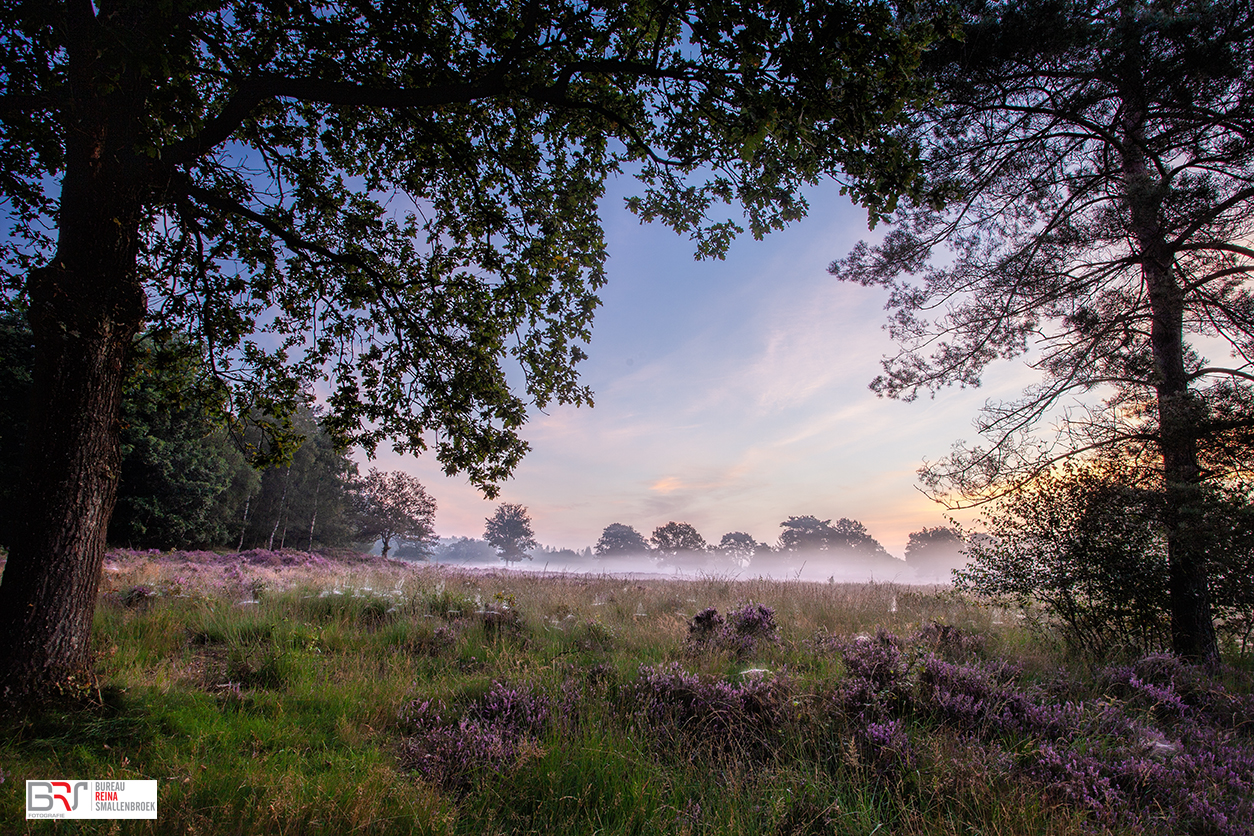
(64, 798)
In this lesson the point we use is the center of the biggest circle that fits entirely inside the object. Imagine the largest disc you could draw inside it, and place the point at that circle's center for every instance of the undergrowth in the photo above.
(290, 696)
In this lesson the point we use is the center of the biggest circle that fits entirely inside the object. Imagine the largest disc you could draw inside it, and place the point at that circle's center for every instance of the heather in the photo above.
(288, 692)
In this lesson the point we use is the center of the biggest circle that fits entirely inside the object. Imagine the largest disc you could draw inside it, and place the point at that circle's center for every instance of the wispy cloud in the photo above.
(667, 485)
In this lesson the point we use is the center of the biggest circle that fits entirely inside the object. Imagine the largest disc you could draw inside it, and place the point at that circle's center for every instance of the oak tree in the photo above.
(391, 199)
(740, 547)
(935, 551)
(394, 505)
(812, 534)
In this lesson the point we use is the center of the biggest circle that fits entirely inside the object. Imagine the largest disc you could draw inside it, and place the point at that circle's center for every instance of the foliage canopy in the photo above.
(677, 542)
(809, 533)
(395, 198)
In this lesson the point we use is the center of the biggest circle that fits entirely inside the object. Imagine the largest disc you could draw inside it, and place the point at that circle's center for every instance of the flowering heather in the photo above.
(705, 626)
(1203, 787)
(713, 713)
(1173, 690)
(450, 754)
(740, 634)
(515, 711)
(975, 697)
(1110, 759)
(879, 659)
(886, 748)
(490, 735)
(875, 687)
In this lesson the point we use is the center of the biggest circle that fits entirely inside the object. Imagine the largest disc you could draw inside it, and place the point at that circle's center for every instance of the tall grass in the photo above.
(282, 694)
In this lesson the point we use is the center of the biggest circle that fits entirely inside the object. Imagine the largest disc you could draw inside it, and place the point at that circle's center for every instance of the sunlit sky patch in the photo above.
(729, 395)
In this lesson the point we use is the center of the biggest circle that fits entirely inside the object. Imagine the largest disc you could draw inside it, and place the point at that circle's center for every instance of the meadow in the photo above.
(288, 693)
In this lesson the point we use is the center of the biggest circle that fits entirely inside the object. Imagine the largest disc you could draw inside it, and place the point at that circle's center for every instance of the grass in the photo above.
(302, 696)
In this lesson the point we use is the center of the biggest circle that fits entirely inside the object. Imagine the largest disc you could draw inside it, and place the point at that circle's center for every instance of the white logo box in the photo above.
(67, 799)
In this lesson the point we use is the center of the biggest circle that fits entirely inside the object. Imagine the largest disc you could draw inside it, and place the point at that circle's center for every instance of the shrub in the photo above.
(490, 735)
(1087, 544)
(740, 634)
(1088, 550)
(713, 715)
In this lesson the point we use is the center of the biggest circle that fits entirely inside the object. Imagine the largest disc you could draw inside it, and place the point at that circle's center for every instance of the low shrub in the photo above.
(741, 634)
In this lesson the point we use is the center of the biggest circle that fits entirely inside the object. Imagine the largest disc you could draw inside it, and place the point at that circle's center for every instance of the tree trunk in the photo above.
(1192, 624)
(247, 501)
(85, 309)
(313, 518)
(287, 478)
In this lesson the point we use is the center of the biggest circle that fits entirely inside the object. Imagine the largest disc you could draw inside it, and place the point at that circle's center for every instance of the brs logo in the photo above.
(42, 796)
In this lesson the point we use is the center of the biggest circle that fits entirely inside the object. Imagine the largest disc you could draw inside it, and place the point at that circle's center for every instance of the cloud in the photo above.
(668, 484)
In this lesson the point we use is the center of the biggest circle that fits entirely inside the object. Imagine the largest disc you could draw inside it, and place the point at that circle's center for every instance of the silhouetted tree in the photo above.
(935, 551)
(620, 539)
(678, 544)
(812, 534)
(394, 505)
(806, 534)
(509, 531)
(1095, 163)
(740, 547)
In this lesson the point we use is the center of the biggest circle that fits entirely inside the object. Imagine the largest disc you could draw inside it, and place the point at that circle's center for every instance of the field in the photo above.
(284, 693)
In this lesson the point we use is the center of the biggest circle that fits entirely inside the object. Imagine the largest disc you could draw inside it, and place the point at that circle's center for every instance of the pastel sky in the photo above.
(729, 395)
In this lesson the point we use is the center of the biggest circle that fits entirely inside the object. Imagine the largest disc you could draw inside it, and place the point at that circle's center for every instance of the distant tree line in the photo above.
(932, 551)
(188, 479)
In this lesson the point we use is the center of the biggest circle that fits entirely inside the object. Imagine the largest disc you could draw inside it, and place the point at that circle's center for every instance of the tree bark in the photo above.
(313, 518)
(1192, 624)
(247, 501)
(85, 309)
(287, 479)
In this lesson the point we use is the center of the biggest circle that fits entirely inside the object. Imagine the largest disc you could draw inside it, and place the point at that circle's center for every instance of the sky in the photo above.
(729, 395)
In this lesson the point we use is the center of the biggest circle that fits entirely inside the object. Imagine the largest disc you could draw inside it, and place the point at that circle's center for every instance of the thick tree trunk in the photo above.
(69, 482)
(85, 309)
(1192, 624)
